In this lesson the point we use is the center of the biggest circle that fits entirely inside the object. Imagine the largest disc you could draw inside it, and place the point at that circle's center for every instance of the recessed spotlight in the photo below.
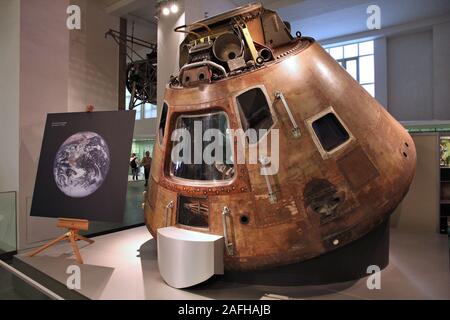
(174, 8)
(165, 11)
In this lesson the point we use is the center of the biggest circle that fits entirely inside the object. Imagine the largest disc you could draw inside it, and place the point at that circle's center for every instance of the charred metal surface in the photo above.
(357, 168)
(320, 203)
(322, 198)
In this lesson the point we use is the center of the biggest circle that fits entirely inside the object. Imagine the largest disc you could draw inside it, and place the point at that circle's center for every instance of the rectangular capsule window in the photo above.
(330, 132)
(188, 154)
(254, 110)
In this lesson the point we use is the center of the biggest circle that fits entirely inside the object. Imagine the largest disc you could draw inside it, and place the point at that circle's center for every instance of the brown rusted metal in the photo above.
(324, 200)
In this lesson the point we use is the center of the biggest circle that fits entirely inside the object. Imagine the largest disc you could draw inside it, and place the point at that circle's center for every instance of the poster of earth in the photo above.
(83, 166)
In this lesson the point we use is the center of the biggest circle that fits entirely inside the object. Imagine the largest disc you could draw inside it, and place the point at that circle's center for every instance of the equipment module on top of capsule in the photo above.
(344, 162)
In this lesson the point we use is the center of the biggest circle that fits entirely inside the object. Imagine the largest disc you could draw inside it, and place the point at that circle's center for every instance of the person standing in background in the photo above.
(134, 167)
(90, 108)
(147, 164)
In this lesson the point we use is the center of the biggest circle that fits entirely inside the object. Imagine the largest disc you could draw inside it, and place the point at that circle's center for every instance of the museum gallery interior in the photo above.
(225, 150)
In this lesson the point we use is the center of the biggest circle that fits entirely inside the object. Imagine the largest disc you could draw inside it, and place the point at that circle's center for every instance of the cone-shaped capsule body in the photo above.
(337, 164)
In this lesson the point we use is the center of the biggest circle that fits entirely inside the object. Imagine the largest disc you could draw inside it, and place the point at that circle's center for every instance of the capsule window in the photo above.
(193, 212)
(254, 110)
(218, 165)
(330, 132)
(162, 122)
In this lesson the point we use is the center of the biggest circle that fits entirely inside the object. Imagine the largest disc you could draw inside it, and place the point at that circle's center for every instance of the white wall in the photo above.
(94, 68)
(43, 89)
(418, 74)
(410, 76)
(61, 71)
(196, 10)
(9, 94)
(381, 67)
(441, 71)
(145, 128)
(168, 52)
(419, 210)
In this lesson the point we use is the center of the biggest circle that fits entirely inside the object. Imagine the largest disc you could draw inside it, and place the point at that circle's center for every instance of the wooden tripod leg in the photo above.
(78, 237)
(48, 245)
(73, 242)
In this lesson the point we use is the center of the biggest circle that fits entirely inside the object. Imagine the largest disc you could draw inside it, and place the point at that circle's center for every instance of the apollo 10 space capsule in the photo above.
(266, 142)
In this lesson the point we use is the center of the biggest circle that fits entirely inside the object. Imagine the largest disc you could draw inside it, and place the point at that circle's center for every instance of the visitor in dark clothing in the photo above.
(147, 164)
(134, 167)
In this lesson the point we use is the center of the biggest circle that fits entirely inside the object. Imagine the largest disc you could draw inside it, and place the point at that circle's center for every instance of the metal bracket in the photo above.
(272, 195)
(126, 39)
(169, 206)
(250, 44)
(228, 245)
(199, 64)
(296, 129)
(265, 161)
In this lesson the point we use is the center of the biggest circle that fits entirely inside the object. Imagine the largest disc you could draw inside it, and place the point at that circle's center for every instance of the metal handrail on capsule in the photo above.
(228, 245)
(296, 129)
(168, 207)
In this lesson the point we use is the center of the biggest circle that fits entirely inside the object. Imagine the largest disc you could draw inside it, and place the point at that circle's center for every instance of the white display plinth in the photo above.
(187, 258)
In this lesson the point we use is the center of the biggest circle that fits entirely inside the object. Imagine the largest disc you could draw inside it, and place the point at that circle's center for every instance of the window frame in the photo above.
(154, 109)
(358, 57)
(159, 138)
(324, 153)
(344, 61)
(138, 110)
(169, 172)
(271, 109)
(140, 114)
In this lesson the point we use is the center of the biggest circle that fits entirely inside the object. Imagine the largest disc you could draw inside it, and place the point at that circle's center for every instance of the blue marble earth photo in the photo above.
(81, 164)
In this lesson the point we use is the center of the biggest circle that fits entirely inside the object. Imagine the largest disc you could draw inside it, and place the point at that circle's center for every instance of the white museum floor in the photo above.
(124, 266)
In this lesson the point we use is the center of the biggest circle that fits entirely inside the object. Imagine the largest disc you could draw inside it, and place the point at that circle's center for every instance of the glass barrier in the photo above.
(14, 288)
(8, 241)
(133, 215)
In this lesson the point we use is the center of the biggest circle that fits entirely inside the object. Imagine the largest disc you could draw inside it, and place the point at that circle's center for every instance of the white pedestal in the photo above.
(187, 258)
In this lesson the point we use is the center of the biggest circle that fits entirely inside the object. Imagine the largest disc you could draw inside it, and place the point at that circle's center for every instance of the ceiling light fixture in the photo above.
(174, 8)
(167, 7)
(166, 11)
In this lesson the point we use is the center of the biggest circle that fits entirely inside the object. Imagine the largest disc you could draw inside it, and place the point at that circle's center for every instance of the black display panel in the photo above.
(83, 167)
